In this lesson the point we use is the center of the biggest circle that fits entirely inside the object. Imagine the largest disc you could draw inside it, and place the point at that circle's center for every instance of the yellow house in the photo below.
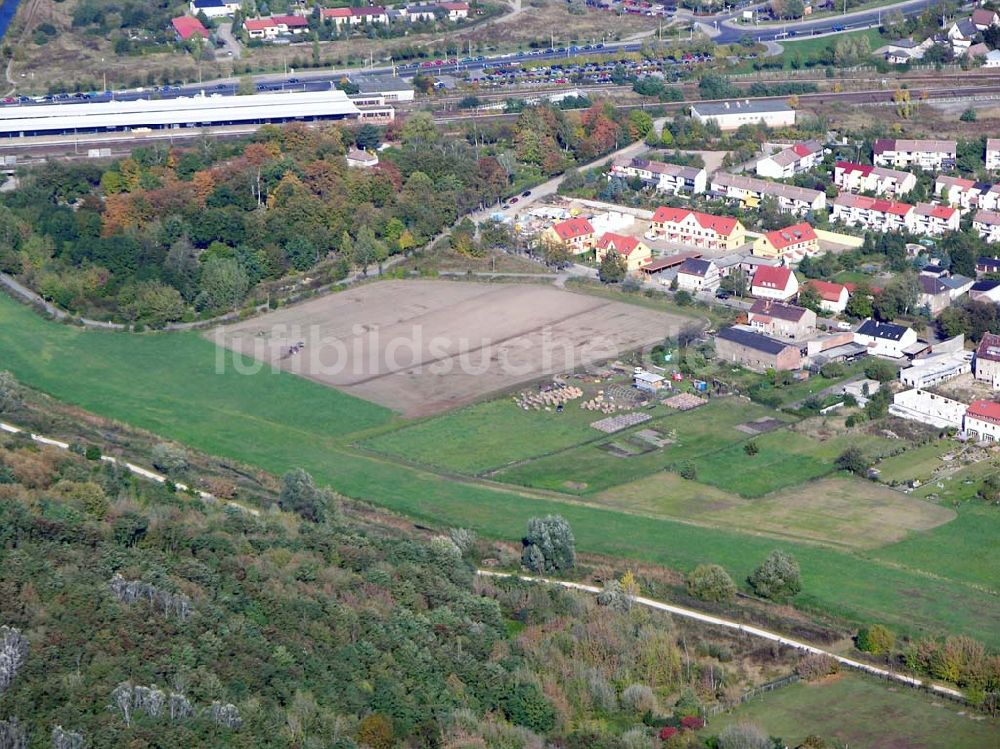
(794, 242)
(633, 250)
(698, 229)
(576, 234)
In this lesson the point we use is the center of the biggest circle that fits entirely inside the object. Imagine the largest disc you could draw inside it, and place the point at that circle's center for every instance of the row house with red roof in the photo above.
(789, 245)
(933, 220)
(698, 229)
(880, 180)
(576, 234)
(966, 194)
(790, 161)
(877, 214)
(373, 14)
(633, 250)
(982, 421)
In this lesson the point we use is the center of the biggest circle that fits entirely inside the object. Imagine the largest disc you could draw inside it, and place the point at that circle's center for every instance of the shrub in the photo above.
(10, 393)
(688, 470)
(299, 494)
(549, 545)
(526, 706)
(853, 460)
(92, 452)
(816, 666)
(668, 732)
(710, 582)
(777, 578)
(169, 458)
(744, 736)
(639, 699)
(876, 639)
(692, 723)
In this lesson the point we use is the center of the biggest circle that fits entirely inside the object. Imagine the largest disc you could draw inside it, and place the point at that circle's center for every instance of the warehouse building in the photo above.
(754, 351)
(729, 115)
(187, 112)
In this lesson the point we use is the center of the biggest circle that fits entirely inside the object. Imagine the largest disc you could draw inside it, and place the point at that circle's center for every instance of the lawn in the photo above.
(863, 713)
(167, 384)
(591, 468)
(917, 463)
(810, 45)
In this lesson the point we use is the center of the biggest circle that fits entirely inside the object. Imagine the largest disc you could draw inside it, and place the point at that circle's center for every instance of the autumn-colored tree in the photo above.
(375, 731)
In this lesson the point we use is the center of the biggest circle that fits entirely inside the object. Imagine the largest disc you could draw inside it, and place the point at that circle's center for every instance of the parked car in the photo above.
(526, 194)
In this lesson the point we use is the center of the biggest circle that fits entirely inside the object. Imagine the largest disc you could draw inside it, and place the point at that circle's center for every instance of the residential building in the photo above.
(373, 14)
(903, 51)
(926, 154)
(698, 229)
(993, 153)
(986, 365)
(698, 275)
(986, 265)
(977, 51)
(989, 198)
(987, 226)
(750, 191)
(790, 244)
(985, 291)
(778, 284)
(730, 115)
(778, 319)
(877, 179)
(885, 339)
(983, 18)
(274, 26)
(934, 294)
(982, 421)
(187, 27)
(937, 368)
(928, 408)
(961, 35)
(791, 161)
(576, 234)
(877, 214)
(668, 178)
(992, 59)
(361, 159)
(633, 251)
(958, 192)
(833, 296)
(214, 8)
(755, 351)
(934, 220)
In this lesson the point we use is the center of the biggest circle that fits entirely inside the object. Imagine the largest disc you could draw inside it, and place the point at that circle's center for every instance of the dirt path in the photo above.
(749, 630)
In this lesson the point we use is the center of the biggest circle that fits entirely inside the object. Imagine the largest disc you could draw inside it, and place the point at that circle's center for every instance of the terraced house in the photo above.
(934, 220)
(926, 154)
(987, 225)
(790, 161)
(750, 191)
(698, 229)
(966, 194)
(632, 250)
(790, 244)
(664, 177)
(877, 179)
(993, 154)
(877, 214)
(576, 234)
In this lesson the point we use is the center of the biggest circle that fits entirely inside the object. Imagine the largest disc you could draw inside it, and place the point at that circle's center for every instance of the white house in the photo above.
(750, 191)
(934, 220)
(928, 408)
(992, 59)
(877, 214)
(961, 34)
(698, 229)
(878, 179)
(987, 363)
(983, 18)
(993, 153)
(777, 283)
(885, 339)
(697, 275)
(214, 8)
(790, 161)
(668, 178)
(927, 154)
(958, 192)
(982, 421)
(987, 225)
(833, 296)
(730, 115)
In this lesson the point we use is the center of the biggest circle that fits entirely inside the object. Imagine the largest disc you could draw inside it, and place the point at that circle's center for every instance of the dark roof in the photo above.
(932, 285)
(788, 312)
(988, 262)
(885, 330)
(984, 285)
(695, 267)
(752, 340)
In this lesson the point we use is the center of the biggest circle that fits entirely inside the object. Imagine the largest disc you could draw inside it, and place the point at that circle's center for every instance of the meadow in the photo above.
(863, 713)
(168, 384)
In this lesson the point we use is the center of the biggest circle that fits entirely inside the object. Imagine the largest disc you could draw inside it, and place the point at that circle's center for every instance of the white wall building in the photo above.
(993, 153)
(885, 339)
(987, 225)
(934, 220)
(928, 408)
(982, 421)
(936, 368)
(668, 178)
(696, 275)
(877, 214)
(878, 179)
(926, 154)
(750, 191)
(730, 115)
(790, 161)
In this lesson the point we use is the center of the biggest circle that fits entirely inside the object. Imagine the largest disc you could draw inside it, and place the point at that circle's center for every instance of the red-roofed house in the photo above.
(793, 160)
(987, 363)
(982, 421)
(778, 284)
(934, 220)
(633, 250)
(187, 27)
(456, 11)
(832, 296)
(577, 234)
(983, 18)
(274, 26)
(339, 16)
(791, 243)
(876, 214)
(698, 229)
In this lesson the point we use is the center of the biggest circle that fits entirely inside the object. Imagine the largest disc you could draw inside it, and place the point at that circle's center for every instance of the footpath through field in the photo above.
(746, 629)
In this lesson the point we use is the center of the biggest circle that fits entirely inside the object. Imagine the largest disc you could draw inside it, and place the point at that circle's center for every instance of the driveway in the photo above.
(224, 33)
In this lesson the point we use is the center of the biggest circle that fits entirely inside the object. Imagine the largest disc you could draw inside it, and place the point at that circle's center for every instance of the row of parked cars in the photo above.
(592, 72)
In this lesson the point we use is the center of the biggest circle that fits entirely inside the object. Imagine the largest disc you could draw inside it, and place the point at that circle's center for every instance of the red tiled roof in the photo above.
(781, 238)
(186, 27)
(984, 411)
(772, 277)
(942, 212)
(989, 347)
(454, 6)
(259, 24)
(336, 12)
(852, 287)
(828, 292)
(880, 205)
(573, 228)
(801, 149)
(983, 17)
(375, 10)
(723, 225)
(620, 243)
(850, 166)
(291, 21)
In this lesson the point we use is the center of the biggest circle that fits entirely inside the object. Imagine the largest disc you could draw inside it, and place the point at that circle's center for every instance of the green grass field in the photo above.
(168, 384)
(863, 713)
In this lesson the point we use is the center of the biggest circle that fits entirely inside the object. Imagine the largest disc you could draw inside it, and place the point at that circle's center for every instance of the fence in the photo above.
(711, 712)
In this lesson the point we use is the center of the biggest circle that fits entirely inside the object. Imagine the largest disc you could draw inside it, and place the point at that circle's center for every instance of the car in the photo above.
(793, 33)
(8, 100)
(513, 200)
(526, 194)
(220, 86)
(844, 326)
(720, 294)
(293, 80)
(839, 28)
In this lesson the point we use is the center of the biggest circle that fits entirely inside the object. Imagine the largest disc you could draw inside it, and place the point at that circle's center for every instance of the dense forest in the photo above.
(133, 614)
(170, 234)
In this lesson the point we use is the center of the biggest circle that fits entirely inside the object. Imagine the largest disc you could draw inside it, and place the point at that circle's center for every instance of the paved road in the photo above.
(224, 31)
(748, 630)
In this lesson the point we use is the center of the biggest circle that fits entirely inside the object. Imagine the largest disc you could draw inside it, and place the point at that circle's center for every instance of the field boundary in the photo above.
(883, 673)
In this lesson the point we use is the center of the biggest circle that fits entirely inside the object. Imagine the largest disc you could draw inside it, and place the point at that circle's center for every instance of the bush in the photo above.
(639, 699)
(816, 666)
(853, 460)
(526, 706)
(744, 736)
(549, 545)
(876, 639)
(710, 582)
(777, 578)
(92, 452)
(299, 494)
(10, 393)
(881, 370)
(169, 458)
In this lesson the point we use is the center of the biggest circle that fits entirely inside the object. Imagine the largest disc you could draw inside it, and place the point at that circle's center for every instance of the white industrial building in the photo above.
(730, 115)
(936, 368)
(928, 408)
(186, 112)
